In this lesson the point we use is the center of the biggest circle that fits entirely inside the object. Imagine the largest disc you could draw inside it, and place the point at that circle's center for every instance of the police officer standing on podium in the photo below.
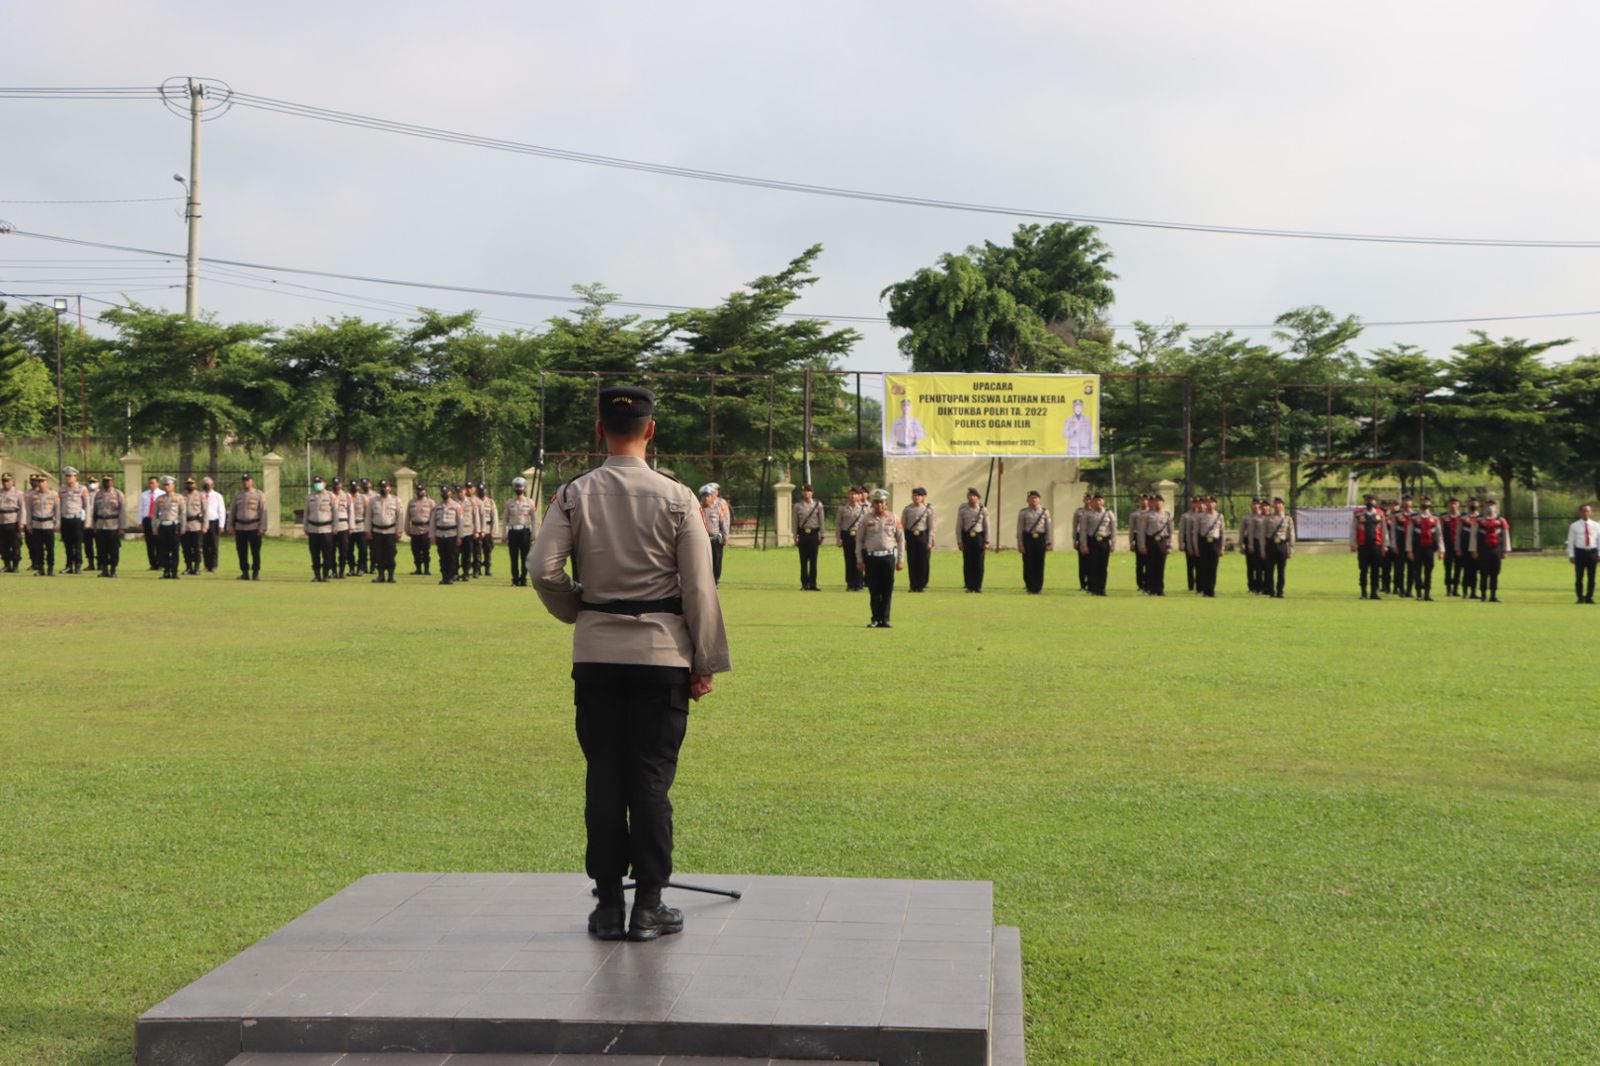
(808, 517)
(918, 522)
(649, 637)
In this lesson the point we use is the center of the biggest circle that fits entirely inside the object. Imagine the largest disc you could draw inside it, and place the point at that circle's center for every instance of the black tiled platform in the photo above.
(471, 968)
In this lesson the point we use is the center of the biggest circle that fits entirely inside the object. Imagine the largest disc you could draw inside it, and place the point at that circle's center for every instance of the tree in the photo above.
(27, 394)
(1576, 395)
(1220, 365)
(1007, 308)
(182, 377)
(1415, 384)
(1318, 353)
(1501, 410)
(344, 377)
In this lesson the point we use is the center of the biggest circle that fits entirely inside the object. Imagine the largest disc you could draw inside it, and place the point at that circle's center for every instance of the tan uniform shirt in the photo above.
(1210, 530)
(520, 513)
(74, 502)
(194, 512)
(1186, 533)
(1033, 525)
(808, 517)
(636, 537)
(322, 510)
(1155, 532)
(12, 501)
(359, 501)
(844, 522)
(1099, 527)
(1077, 526)
(170, 509)
(488, 516)
(448, 520)
(1277, 531)
(419, 514)
(879, 533)
(108, 505)
(247, 512)
(341, 512)
(919, 520)
(383, 515)
(970, 519)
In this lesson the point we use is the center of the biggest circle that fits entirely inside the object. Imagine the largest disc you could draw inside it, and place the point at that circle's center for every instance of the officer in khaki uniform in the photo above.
(360, 544)
(11, 524)
(808, 519)
(419, 517)
(1251, 549)
(194, 525)
(74, 499)
(920, 524)
(444, 529)
(880, 551)
(383, 529)
(1210, 533)
(247, 514)
(169, 516)
(972, 531)
(106, 521)
(518, 519)
(1275, 534)
(649, 637)
(488, 528)
(844, 525)
(1098, 534)
(1153, 543)
(1135, 530)
(43, 511)
(343, 553)
(1035, 537)
(712, 515)
(321, 519)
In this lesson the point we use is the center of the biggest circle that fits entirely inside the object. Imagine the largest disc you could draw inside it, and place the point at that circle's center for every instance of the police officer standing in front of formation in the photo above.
(1583, 551)
(520, 514)
(808, 516)
(105, 517)
(169, 518)
(74, 513)
(918, 522)
(845, 518)
(649, 637)
(444, 529)
(1099, 537)
(1491, 543)
(880, 551)
(1275, 534)
(247, 512)
(12, 503)
(419, 520)
(1035, 537)
(1153, 543)
(972, 526)
(1367, 531)
(383, 529)
(321, 519)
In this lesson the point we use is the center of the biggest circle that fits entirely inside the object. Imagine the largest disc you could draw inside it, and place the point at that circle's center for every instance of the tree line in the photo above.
(442, 392)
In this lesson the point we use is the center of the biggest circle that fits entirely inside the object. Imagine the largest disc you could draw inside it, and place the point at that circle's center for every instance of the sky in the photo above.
(1459, 119)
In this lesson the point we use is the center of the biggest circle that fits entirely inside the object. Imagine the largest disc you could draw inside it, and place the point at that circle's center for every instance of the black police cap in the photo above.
(624, 402)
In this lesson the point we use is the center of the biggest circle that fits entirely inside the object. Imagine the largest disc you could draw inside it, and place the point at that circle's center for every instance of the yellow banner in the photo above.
(991, 414)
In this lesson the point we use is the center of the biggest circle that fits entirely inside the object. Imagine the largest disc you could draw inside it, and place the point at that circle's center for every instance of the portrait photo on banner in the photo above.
(1004, 415)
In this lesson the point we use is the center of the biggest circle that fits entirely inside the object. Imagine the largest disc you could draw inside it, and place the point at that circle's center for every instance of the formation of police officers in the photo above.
(1398, 543)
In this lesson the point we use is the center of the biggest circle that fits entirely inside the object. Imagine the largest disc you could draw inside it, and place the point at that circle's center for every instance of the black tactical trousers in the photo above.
(42, 550)
(167, 549)
(972, 552)
(467, 556)
(448, 547)
(1373, 566)
(1099, 566)
(383, 553)
(1273, 568)
(322, 551)
(151, 551)
(11, 545)
(361, 548)
(716, 560)
(247, 542)
(191, 549)
(852, 576)
(879, 577)
(1419, 574)
(1033, 563)
(1190, 571)
(486, 551)
(518, 541)
(1452, 570)
(91, 543)
(1467, 574)
(419, 552)
(344, 556)
(1083, 569)
(1584, 564)
(917, 556)
(109, 543)
(1141, 568)
(1155, 570)
(809, 545)
(1488, 573)
(210, 542)
(72, 540)
(1207, 560)
(631, 722)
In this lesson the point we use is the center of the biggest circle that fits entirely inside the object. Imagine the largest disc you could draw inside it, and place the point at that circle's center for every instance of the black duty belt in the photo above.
(389, 526)
(674, 605)
(329, 522)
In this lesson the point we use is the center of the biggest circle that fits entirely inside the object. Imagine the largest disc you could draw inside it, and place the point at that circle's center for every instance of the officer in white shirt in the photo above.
(1583, 550)
(216, 512)
(147, 511)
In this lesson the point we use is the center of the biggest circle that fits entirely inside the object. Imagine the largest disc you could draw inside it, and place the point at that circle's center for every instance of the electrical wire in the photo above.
(133, 200)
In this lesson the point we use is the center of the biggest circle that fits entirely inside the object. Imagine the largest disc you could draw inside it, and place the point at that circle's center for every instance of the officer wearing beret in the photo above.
(517, 521)
(808, 518)
(383, 530)
(648, 639)
(1098, 535)
(11, 524)
(106, 520)
(1276, 537)
(1034, 537)
(845, 518)
(169, 517)
(880, 551)
(419, 517)
(1154, 543)
(919, 522)
(972, 526)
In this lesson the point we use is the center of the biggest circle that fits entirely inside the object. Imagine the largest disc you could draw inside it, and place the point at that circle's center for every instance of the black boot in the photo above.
(652, 919)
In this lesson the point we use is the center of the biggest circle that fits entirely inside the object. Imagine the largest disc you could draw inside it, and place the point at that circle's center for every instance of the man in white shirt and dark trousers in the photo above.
(1583, 549)
(147, 511)
(216, 521)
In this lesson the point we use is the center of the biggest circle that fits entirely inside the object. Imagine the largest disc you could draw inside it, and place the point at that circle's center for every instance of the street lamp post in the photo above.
(60, 308)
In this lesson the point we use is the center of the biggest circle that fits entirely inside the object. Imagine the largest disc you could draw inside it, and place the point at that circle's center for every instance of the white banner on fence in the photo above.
(1322, 523)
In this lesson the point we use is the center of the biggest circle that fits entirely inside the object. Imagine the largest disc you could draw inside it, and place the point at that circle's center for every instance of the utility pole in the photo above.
(191, 294)
(60, 306)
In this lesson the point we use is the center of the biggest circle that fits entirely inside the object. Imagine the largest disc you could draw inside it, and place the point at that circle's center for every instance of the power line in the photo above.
(133, 200)
(346, 118)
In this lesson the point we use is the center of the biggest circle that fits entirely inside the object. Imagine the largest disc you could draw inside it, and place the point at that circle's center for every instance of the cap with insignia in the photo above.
(168, 479)
(880, 495)
(69, 471)
(705, 490)
(519, 482)
(919, 491)
(626, 402)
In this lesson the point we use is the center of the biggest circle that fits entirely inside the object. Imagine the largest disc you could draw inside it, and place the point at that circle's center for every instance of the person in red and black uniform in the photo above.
(1367, 529)
(1467, 562)
(1491, 542)
(1399, 531)
(1450, 523)
(1424, 538)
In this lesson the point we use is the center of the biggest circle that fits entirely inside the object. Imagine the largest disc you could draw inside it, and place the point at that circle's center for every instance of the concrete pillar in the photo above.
(783, 512)
(132, 485)
(405, 488)
(272, 489)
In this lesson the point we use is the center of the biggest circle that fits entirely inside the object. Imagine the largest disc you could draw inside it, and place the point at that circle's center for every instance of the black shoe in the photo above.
(885, 625)
(872, 624)
(605, 921)
(415, 572)
(446, 581)
(244, 577)
(1494, 597)
(650, 921)
(377, 580)
(255, 575)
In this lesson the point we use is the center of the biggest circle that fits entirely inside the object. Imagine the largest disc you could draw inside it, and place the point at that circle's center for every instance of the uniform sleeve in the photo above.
(900, 542)
(547, 564)
(1111, 541)
(1049, 529)
(860, 558)
(702, 611)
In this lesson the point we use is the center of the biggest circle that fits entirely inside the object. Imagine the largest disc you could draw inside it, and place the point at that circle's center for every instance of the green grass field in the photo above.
(1308, 830)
